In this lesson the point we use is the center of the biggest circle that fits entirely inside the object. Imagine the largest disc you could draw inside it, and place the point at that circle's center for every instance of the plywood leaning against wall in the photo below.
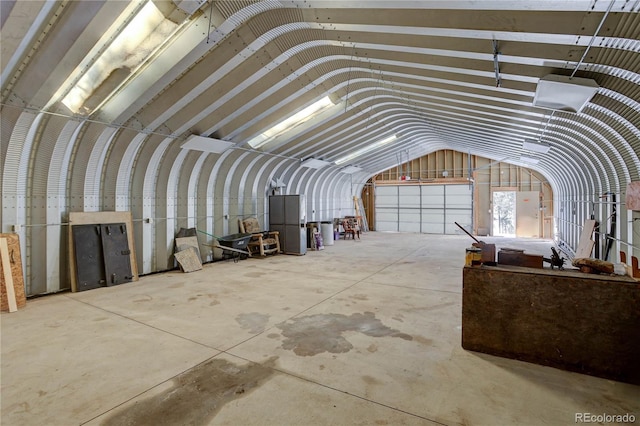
(89, 218)
(12, 275)
(632, 199)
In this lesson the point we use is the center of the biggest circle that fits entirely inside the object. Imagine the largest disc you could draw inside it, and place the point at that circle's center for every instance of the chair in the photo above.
(350, 228)
(262, 242)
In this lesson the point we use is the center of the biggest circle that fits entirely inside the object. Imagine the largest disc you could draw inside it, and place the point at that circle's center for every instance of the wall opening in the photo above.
(504, 213)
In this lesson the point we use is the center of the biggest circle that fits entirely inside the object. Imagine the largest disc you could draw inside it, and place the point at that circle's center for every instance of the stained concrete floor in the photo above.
(364, 332)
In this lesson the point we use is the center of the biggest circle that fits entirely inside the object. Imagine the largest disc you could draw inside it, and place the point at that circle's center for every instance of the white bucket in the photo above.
(327, 233)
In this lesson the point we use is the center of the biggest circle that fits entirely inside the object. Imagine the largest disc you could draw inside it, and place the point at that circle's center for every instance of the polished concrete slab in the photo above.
(363, 332)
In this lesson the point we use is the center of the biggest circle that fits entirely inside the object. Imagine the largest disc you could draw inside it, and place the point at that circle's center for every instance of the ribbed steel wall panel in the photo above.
(58, 195)
(95, 172)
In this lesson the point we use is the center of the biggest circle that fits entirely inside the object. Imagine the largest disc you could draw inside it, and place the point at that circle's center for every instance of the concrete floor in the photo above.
(363, 332)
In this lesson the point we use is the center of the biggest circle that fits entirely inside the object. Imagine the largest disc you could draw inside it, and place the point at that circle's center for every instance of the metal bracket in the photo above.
(496, 65)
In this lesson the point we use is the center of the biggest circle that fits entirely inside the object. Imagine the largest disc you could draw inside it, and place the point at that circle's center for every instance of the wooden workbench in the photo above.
(565, 319)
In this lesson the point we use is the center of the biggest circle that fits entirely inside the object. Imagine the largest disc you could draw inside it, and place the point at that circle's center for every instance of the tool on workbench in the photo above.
(555, 260)
(488, 250)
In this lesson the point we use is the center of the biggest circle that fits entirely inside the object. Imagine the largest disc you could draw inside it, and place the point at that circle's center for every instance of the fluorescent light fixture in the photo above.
(530, 160)
(314, 163)
(291, 122)
(201, 143)
(366, 149)
(129, 48)
(350, 169)
(536, 146)
(564, 93)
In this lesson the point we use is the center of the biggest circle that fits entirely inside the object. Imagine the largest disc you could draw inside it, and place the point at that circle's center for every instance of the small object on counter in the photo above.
(519, 258)
(555, 260)
(473, 256)
(488, 250)
(620, 269)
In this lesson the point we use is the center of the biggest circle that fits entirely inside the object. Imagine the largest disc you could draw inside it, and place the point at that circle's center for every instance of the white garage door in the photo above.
(430, 209)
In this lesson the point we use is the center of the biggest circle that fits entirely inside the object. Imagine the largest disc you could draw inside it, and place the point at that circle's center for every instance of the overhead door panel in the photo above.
(458, 197)
(458, 207)
(433, 221)
(387, 208)
(432, 216)
(409, 208)
(433, 196)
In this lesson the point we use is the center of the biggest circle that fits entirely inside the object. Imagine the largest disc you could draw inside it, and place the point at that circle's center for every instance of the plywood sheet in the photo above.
(586, 243)
(190, 242)
(188, 260)
(632, 199)
(15, 260)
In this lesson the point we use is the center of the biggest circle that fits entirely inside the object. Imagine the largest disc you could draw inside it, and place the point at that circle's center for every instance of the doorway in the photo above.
(504, 213)
(516, 214)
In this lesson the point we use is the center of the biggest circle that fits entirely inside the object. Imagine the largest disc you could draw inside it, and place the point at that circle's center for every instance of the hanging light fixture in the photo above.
(366, 149)
(536, 146)
(295, 120)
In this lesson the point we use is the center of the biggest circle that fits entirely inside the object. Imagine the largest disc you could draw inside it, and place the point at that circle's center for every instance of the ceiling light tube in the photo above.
(536, 146)
(127, 50)
(291, 122)
(366, 149)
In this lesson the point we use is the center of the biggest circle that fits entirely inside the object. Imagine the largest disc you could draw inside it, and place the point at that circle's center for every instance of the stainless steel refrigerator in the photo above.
(288, 215)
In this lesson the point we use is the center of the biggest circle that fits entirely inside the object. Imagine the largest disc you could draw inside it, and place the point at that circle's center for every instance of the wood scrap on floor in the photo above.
(188, 259)
(188, 242)
(187, 252)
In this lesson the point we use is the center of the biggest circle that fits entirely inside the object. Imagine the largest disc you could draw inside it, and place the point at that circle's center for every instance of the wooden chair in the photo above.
(261, 242)
(350, 228)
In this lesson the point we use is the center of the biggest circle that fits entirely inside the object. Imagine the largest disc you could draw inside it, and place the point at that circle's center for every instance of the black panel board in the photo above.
(115, 245)
(90, 272)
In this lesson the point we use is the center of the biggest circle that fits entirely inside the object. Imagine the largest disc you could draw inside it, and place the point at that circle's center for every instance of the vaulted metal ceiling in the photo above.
(456, 75)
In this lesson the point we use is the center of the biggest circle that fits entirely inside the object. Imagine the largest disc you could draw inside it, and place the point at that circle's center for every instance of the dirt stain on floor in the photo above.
(315, 334)
(197, 395)
(254, 322)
